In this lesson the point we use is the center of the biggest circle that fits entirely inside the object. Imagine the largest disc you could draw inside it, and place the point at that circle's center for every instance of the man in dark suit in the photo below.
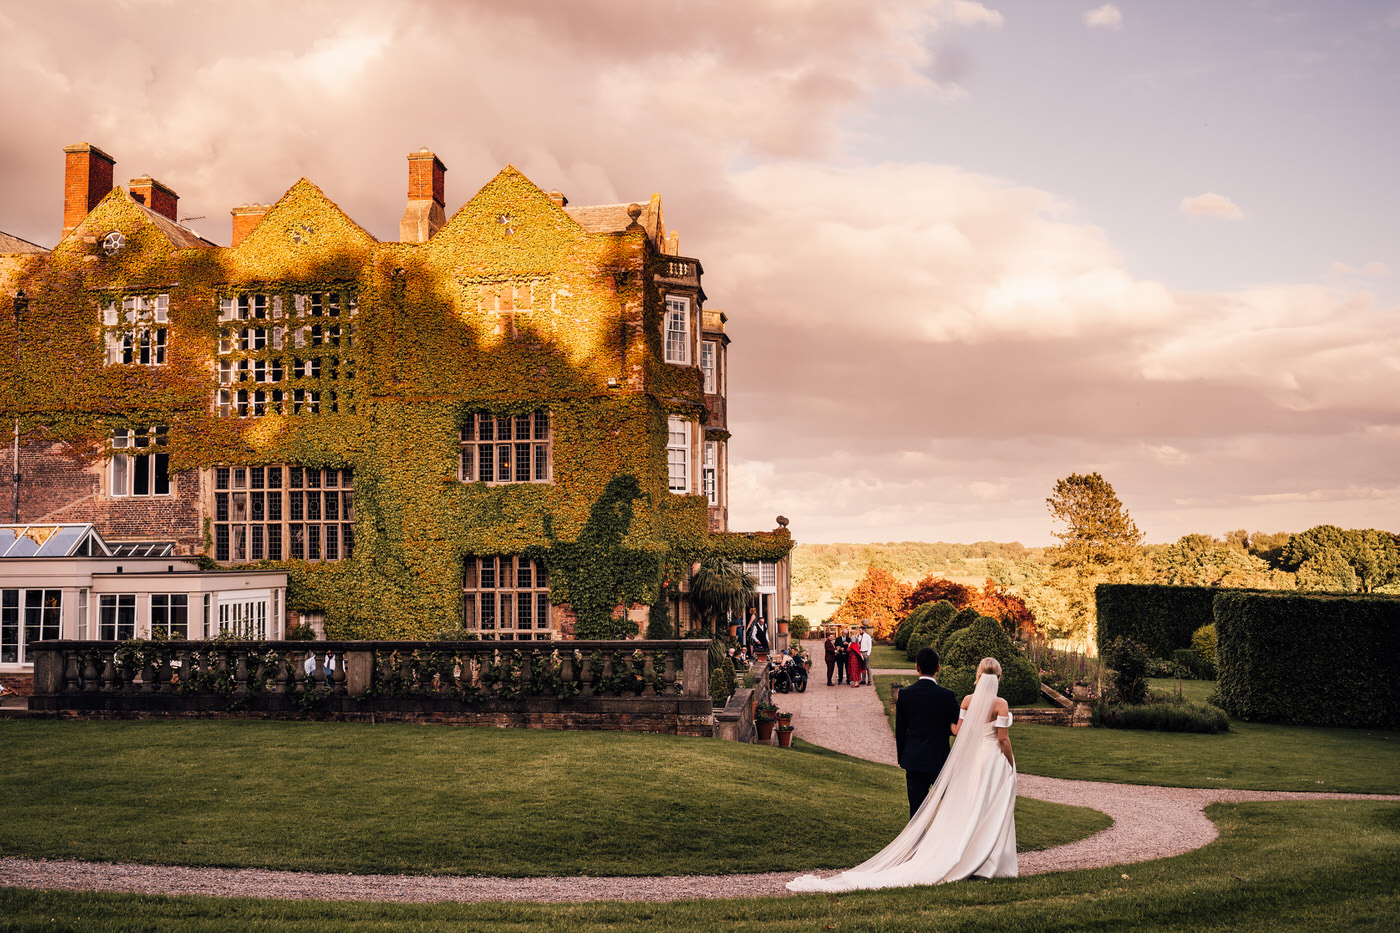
(924, 716)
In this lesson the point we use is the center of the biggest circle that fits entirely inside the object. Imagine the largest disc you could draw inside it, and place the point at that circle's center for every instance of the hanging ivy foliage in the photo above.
(485, 317)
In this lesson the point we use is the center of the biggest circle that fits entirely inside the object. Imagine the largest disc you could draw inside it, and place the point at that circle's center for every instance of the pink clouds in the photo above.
(920, 349)
(1211, 204)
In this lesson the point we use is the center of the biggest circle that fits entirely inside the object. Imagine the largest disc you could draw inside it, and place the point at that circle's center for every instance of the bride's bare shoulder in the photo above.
(1000, 707)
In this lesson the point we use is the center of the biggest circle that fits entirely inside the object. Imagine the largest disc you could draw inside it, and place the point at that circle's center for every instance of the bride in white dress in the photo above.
(967, 824)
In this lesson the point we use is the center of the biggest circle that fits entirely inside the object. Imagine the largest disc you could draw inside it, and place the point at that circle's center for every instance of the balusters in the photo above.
(70, 672)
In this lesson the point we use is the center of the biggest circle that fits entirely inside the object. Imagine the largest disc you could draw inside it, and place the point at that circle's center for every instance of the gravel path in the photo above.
(1148, 823)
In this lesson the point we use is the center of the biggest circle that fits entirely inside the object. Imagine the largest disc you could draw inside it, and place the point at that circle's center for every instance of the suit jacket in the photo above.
(923, 719)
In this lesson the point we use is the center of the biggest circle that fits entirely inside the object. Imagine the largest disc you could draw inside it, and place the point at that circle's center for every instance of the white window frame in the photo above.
(15, 620)
(244, 614)
(678, 472)
(676, 333)
(279, 356)
(709, 365)
(126, 467)
(163, 610)
(116, 616)
(709, 472)
(136, 333)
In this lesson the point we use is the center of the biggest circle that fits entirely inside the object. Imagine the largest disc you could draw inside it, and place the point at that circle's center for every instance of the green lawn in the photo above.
(1251, 756)
(438, 800)
(1276, 867)
(888, 657)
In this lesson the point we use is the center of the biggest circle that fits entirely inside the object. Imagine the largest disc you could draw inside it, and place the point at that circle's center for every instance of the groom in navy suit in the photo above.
(924, 716)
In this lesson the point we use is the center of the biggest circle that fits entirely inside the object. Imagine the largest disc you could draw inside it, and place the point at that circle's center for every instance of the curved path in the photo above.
(1148, 823)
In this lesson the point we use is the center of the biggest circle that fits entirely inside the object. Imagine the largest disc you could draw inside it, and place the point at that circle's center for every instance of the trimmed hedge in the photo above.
(965, 618)
(1160, 618)
(1309, 659)
(1164, 717)
(985, 638)
(925, 631)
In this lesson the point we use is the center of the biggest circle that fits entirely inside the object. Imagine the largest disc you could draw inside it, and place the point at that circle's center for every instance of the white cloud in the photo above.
(1107, 16)
(1211, 204)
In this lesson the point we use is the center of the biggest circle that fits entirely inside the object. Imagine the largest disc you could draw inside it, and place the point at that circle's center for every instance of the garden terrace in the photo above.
(628, 686)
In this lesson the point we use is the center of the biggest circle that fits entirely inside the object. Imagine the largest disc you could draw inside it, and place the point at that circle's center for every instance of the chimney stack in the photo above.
(245, 218)
(87, 179)
(159, 198)
(427, 198)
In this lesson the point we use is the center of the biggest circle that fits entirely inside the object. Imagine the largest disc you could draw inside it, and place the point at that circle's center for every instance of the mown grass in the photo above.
(436, 800)
(1280, 866)
(1251, 756)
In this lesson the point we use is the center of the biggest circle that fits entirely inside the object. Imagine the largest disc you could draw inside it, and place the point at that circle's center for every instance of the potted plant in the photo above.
(764, 718)
(785, 735)
(784, 719)
(782, 626)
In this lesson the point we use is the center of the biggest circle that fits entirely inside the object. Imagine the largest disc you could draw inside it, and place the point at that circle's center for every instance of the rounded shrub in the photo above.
(985, 638)
(722, 682)
(963, 619)
(922, 634)
(798, 626)
(1203, 643)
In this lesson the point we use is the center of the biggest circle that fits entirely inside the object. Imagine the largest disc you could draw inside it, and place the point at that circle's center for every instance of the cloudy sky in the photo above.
(966, 248)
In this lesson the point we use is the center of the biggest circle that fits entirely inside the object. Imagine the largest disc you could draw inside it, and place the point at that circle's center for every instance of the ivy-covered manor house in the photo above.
(423, 435)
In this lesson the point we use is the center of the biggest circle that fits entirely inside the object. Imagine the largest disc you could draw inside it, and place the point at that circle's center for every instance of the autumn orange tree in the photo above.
(931, 589)
(1010, 610)
(877, 600)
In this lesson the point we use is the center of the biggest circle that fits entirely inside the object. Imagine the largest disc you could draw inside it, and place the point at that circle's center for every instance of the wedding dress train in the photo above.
(966, 826)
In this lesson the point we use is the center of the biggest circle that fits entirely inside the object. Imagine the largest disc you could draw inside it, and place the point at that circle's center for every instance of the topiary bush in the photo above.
(922, 633)
(798, 626)
(722, 683)
(963, 619)
(906, 626)
(1129, 662)
(985, 638)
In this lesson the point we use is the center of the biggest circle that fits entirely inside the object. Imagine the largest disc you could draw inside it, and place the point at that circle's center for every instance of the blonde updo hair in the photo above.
(989, 666)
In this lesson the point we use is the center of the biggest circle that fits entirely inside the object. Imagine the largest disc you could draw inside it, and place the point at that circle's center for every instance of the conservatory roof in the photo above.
(51, 540)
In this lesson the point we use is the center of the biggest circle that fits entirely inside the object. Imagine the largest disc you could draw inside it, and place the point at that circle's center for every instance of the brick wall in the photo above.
(59, 488)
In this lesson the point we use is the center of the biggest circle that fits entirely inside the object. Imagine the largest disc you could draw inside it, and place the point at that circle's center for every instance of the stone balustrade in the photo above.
(643, 686)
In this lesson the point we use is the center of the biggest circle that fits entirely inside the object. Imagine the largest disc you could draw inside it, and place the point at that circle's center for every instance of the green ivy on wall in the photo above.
(432, 344)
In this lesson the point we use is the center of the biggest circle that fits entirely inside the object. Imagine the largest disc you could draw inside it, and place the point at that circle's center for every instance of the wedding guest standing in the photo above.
(829, 648)
(843, 644)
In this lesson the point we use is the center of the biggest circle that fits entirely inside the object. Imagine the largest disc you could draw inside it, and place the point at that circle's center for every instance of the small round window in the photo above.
(113, 242)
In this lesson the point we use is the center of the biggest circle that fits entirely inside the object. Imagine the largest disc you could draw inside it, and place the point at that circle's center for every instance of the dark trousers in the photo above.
(917, 784)
(830, 669)
(840, 670)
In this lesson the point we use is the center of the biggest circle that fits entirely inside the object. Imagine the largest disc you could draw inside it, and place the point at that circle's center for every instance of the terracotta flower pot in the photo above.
(782, 628)
(785, 739)
(765, 729)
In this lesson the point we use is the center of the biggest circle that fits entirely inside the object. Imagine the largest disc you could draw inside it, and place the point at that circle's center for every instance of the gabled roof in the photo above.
(613, 218)
(13, 244)
(49, 540)
(179, 237)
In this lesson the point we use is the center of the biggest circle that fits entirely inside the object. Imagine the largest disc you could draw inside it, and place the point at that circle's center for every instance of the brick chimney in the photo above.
(87, 179)
(427, 199)
(245, 218)
(159, 198)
